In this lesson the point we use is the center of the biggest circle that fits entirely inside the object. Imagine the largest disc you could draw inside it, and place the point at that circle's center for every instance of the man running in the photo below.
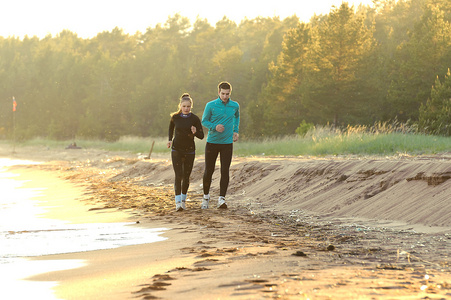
(222, 119)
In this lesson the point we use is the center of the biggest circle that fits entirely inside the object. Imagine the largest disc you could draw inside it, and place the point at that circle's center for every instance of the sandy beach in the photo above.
(296, 227)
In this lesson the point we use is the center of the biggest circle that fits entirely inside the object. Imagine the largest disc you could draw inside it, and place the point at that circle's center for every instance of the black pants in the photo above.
(211, 154)
(183, 165)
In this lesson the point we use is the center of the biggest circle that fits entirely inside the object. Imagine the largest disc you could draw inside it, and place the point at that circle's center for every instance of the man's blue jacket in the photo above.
(228, 114)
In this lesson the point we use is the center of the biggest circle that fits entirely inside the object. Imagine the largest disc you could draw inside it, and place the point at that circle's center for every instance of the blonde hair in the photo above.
(184, 97)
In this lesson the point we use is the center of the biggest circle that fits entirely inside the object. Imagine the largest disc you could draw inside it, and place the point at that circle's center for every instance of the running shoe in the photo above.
(205, 202)
(221, 203)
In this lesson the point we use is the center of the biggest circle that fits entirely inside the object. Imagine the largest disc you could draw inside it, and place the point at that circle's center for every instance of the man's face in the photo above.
(224, 95)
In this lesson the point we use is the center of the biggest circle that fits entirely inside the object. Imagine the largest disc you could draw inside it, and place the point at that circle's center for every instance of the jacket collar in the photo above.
(225, 103)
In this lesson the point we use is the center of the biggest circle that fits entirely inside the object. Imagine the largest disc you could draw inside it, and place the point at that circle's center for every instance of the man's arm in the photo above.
(236, 121)
(236, 124)
(206, 116)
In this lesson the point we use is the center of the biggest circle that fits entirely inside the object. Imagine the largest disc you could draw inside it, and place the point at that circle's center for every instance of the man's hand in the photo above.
(169, 144)
(235, 136)
(193, 129)
(220, 128)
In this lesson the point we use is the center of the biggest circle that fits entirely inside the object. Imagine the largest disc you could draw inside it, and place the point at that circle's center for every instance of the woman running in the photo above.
(186, 125)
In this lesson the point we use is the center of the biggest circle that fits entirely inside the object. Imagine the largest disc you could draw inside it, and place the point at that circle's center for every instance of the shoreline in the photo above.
(60, 208)
(116, 273)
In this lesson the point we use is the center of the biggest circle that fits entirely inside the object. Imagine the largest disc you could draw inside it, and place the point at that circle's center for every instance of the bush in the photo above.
(303, 128)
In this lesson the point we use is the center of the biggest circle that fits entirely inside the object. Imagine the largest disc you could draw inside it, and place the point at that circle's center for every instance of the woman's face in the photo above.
(186, 107)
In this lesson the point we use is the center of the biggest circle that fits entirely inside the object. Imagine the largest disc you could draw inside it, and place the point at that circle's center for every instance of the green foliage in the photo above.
(282, 104)
(304, 127)
(342, 43)
(380, 139)
(351, 66)
(435, 115)
(425, 53)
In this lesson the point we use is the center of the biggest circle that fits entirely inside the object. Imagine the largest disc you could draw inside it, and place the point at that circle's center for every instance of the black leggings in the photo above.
(183, 165)
(211, 154)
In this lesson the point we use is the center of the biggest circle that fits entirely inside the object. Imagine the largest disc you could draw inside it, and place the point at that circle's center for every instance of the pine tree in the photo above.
(435, 115)
(343, 41)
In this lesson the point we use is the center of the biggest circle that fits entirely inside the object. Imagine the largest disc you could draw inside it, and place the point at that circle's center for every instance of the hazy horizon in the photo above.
(88, 18)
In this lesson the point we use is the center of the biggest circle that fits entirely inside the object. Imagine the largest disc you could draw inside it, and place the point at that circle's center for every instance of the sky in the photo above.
(88, 18)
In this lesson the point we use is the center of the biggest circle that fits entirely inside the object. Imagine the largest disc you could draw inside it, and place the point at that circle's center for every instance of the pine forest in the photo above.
(353, 66)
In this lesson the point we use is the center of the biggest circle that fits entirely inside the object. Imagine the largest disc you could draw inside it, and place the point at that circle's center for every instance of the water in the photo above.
(24, 234)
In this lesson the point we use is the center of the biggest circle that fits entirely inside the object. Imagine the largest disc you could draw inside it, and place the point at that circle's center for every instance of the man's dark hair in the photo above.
(225, 86)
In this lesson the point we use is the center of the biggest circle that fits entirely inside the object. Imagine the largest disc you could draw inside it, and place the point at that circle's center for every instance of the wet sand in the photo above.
(279, 238)
(50, 208)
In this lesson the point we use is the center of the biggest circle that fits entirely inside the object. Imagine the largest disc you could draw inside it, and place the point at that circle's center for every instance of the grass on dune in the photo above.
(379, 139)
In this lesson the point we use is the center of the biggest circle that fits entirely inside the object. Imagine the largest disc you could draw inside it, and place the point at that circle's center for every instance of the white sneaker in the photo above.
(205, 202)
(178, 206)
(221, 202)
(183, 205)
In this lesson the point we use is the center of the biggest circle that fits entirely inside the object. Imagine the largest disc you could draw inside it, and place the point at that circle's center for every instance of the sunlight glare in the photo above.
(88, 18)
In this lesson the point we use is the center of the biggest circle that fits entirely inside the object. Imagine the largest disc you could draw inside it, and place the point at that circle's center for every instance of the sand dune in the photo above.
(413, 191)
